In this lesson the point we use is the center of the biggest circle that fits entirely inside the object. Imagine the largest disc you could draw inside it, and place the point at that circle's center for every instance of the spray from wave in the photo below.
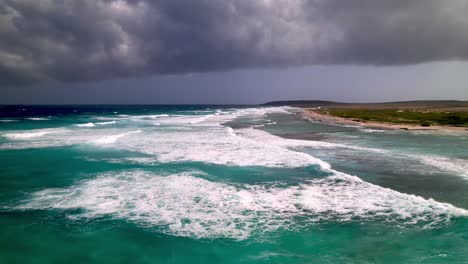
(86, 125)
(186, 205)
(113, 138)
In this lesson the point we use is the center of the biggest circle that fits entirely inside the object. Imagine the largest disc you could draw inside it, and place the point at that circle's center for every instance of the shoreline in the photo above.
(313, 115)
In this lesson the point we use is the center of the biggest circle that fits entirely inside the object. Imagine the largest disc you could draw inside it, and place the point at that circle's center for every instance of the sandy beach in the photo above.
(313, 115)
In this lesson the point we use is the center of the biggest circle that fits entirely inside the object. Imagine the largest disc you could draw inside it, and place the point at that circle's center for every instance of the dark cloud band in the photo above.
(67, 40)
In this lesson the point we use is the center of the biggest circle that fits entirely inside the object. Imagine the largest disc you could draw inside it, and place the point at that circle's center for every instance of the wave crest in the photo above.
(185, 205)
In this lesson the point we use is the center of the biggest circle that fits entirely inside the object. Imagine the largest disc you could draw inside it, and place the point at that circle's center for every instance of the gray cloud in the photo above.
(69, 41)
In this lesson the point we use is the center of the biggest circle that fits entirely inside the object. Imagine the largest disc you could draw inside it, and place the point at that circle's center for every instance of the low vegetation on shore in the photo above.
(419, 117)
(426, 113)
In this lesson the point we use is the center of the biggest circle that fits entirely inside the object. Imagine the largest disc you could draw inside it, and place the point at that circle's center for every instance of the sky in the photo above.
(231, 51)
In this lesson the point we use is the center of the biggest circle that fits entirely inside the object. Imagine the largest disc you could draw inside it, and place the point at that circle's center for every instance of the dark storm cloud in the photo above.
(65, 40)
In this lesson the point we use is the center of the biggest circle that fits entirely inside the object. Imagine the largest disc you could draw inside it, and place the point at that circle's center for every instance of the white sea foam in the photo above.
(34, 138)
(106, 123)
(146, 116)
(26, 135)
(97, 123)
(200, 138)
(38, 118)
(220, 117)
(445, 164)
(113, 138)
(162, 115)
(201, 119)
(185, 205)
(86, 125)
(262, 136)
(185, 120)
(216, 145)
(8, 120)
(369, 130)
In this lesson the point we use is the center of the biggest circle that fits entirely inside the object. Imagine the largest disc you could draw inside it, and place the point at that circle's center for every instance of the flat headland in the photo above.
(449, 115)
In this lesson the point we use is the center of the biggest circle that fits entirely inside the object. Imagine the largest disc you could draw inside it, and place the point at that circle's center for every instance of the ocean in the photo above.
(225, 184)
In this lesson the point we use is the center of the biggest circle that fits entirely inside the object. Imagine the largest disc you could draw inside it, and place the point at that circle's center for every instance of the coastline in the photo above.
(313, 115)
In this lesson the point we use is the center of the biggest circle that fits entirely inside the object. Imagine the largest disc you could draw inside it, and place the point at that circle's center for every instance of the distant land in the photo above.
(435, 115)
(417, 104)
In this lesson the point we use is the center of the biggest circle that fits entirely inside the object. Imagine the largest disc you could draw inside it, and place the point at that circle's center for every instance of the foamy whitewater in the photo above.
(216, 209)
(256, 184)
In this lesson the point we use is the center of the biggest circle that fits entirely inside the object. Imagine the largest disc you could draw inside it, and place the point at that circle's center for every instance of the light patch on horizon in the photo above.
(436, 81)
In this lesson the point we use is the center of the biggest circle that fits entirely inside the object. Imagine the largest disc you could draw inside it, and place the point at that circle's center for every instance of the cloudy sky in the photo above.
(232, 51)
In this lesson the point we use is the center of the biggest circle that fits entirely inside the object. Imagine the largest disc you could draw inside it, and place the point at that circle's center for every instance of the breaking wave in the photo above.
(90, 124)
(106, 123)
(186, 205)
(25, 135)
(86, 125)
(445, 164)
(38, 118)
(113, 138)
(31, 134)
(199, 138)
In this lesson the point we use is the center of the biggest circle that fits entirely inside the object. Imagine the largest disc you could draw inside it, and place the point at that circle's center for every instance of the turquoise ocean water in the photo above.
(211, 184)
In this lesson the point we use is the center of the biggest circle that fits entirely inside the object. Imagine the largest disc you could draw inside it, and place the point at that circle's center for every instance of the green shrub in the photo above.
(425, 124)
